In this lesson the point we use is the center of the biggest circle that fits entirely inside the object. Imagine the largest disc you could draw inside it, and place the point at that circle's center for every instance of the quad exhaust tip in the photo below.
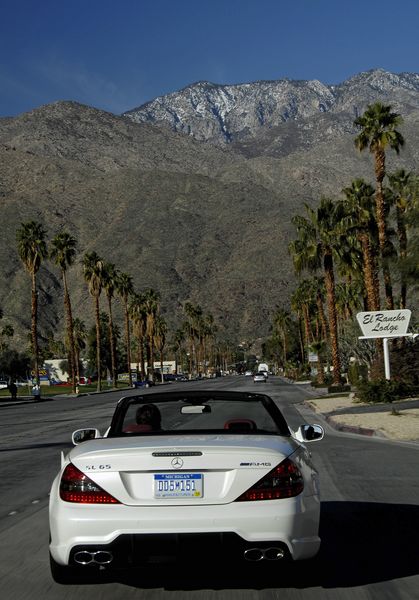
(258, 554)
(98, 557)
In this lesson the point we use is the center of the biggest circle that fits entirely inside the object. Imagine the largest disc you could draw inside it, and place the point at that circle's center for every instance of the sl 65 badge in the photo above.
(97, 467)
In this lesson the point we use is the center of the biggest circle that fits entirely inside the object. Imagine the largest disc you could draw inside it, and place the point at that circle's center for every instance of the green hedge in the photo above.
(384, 391)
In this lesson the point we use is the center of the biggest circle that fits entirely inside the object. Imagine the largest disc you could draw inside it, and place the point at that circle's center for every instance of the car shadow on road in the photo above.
(362, 543)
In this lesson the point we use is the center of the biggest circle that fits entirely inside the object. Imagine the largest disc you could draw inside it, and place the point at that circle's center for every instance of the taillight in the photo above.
(284, 481)
(75, 486)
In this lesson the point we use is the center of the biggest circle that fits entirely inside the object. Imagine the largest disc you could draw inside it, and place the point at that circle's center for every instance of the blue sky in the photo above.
(117, 54)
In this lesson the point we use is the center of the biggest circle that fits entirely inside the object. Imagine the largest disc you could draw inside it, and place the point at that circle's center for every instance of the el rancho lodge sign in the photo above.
(384, 323)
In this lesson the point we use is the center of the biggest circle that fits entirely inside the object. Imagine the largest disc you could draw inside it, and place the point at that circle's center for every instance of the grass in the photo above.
(58, 390)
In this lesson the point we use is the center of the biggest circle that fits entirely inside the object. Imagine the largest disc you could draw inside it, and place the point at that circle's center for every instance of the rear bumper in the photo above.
(140, 534)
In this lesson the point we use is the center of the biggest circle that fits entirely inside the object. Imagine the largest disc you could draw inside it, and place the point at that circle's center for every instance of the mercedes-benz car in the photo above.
(185, 474)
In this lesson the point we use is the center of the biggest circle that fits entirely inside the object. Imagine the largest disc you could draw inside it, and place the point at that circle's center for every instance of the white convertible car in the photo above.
(185, 474)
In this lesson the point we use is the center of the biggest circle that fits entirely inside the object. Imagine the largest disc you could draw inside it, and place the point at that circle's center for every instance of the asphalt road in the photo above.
(369, 524)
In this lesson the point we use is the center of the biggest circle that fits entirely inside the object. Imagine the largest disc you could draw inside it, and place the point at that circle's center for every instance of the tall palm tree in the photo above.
(300, 304)
(93, 275)
(177, 346)
(402, 188)
(378, 132)
(79, 337)
(281, 322)
(160, 338)
(32, 249)
(317, 244)
(63, 252)
(151, 306)
(138, 316)
(110, 277)
(193, 313)
(125, 289)
(360, 221)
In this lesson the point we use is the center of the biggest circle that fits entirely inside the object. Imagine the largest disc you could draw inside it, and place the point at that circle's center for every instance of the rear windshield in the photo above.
(144, 417)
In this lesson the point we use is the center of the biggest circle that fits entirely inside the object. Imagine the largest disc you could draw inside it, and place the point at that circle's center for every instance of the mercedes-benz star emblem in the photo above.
(177, 463)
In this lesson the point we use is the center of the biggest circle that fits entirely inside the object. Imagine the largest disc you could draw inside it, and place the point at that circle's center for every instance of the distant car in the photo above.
(169, 377)
(146, 383)
(259, 377)
(181, 377)
(248, 373)
(3, 385)
(185, 474)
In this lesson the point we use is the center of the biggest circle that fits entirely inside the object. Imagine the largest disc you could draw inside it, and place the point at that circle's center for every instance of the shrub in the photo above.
(343, 388)
(384, 391)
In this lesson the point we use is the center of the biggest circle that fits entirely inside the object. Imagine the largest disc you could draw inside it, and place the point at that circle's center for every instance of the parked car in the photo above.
(3, 385)
(195, 473)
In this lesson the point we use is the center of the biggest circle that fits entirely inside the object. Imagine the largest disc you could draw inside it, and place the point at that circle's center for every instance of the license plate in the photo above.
(178, 485)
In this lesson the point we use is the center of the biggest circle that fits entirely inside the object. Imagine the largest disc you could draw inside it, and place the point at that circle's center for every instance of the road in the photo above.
(369, 524)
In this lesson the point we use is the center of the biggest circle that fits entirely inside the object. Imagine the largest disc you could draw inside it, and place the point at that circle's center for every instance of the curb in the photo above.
(346, 428)
(352, 428)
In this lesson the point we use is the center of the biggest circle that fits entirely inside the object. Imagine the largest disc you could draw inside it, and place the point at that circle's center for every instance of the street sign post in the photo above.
(384, 324)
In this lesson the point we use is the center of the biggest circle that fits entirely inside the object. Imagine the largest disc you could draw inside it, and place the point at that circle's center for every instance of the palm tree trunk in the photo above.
(98, 365)
(112, 343)
(401, 231)
(381, 223)
(331, 306)
(370, 274)
(70, 333)
(34, 320)
(128, 341)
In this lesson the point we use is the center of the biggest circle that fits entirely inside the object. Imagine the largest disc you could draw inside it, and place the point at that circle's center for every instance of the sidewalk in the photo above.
(343, 414)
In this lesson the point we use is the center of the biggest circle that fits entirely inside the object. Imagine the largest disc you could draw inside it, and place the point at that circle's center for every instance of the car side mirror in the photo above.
(309, 433)
(83, 435)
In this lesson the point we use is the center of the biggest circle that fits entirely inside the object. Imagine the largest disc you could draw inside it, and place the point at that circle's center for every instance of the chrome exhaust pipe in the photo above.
(258, 554)
(253, 554)
(100, 557)
(274, 553)
(83, 557)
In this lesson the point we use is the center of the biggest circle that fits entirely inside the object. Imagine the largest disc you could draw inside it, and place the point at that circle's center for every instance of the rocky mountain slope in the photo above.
(191, 194)
(237, 113)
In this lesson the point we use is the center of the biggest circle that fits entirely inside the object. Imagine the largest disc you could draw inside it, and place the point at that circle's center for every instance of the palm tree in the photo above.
(193, 313)
(32, 249)
(138, 316)
(151, 307)
(378, 132)
(402, 188)
(125, 289)
(62, 252)
(318, 243)
(281, 321)
(79, 337)
(93, 275)
(160, 338)
(110, 276)
(360, 221)
(177, 346)
(300, 304)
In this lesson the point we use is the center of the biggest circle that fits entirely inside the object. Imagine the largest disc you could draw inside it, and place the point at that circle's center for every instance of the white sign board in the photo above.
(384, 323)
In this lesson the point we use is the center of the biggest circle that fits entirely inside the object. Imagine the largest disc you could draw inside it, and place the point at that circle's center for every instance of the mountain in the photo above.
(192, 194)
(237, 113)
